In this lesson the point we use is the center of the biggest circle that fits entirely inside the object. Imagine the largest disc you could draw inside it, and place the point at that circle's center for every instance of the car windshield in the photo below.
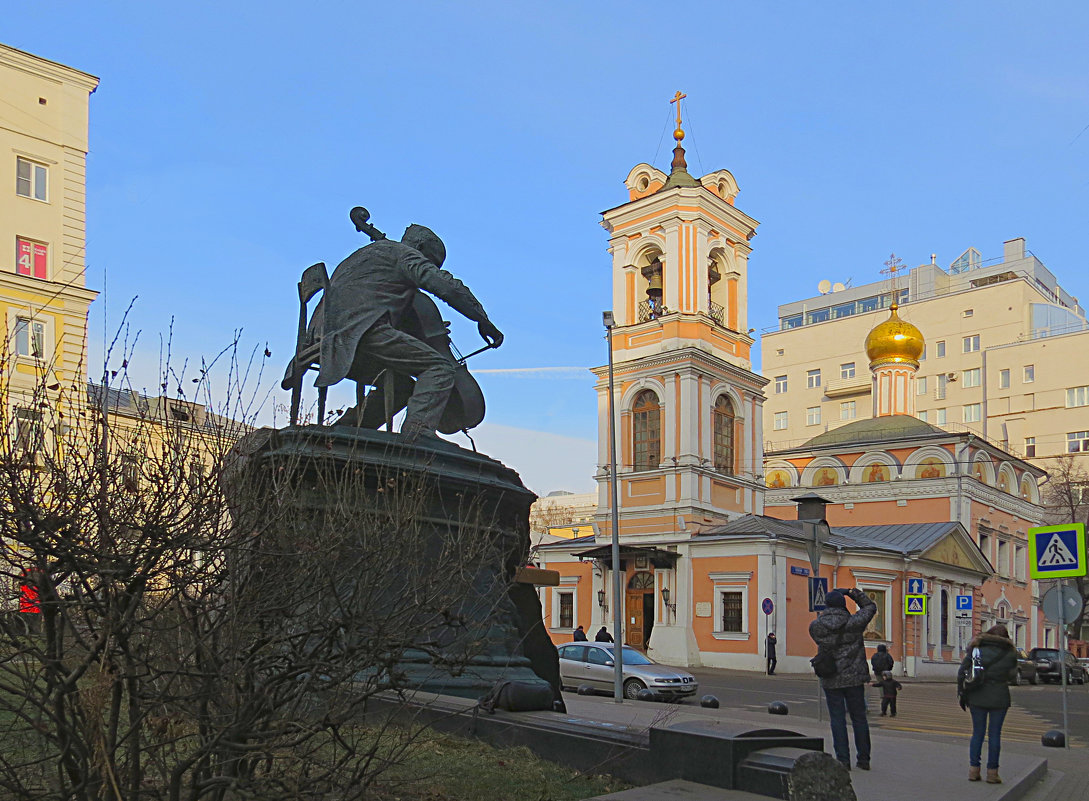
(633, 657)
(1047, 652)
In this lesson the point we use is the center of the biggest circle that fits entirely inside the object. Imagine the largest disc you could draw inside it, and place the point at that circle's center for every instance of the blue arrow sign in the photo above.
(964, 602)
(916, 586)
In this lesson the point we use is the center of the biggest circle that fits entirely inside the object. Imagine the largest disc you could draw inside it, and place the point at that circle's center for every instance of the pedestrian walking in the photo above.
(838, 635)
(889, 687)
(603, 635)
(769, 646)
(580, 635)
(983, 684)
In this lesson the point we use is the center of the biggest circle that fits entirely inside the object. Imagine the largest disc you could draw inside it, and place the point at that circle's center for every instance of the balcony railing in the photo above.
(648, 310)
(718, 314)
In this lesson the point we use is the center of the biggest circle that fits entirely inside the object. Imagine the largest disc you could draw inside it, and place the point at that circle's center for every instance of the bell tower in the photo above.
(688, 406)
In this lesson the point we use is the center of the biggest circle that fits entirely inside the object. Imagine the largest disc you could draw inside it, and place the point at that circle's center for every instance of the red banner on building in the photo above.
(31, 258)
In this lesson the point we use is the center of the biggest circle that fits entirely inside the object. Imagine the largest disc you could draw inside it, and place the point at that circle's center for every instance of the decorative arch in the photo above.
(982, 469)
(779, 474)
(824, 471)
(1006, 478)
(646, 429)
(874, 467)
(642, 580)
(644, 179)
(722, 183)
(1030, 491)
(929, 462)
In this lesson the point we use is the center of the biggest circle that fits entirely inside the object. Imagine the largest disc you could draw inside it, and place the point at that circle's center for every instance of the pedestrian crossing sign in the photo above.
(914, 604)
(1057, 551)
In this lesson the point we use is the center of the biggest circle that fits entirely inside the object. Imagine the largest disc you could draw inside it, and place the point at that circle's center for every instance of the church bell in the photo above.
(653, 273)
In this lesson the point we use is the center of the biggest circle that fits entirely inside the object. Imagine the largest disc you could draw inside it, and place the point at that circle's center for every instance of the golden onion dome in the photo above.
(894, 341)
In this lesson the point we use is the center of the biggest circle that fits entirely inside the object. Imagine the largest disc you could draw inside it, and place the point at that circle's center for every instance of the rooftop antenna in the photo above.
(824, 286)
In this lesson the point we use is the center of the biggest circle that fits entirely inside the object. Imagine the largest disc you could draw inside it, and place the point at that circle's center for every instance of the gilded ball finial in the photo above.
(678, 134)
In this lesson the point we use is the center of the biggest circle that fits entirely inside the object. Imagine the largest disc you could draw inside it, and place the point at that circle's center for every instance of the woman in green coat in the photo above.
(988, 702)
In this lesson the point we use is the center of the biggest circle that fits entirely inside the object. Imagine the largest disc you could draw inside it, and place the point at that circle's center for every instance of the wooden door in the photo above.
(634, 620)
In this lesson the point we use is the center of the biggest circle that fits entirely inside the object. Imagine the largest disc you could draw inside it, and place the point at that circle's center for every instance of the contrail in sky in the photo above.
(532, 372)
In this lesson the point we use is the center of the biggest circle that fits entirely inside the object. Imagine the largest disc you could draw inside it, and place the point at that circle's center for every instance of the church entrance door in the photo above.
(639, 607)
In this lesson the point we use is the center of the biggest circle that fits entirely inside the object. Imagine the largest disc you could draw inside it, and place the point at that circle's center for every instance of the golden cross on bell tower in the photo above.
(677, 98)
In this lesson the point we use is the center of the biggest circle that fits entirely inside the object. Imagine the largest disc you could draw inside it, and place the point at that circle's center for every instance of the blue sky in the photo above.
(229, 140)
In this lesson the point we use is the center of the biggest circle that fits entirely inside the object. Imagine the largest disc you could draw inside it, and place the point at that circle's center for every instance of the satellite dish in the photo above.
(824, 286)
(838, 287)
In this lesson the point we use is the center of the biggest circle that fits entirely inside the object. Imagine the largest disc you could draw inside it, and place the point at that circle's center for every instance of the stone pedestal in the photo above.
(437, 498)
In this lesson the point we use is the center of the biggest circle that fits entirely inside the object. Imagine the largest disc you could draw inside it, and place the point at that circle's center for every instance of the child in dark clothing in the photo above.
(888, 686)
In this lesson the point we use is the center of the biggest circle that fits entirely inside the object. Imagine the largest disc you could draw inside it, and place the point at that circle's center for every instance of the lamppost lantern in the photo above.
(665, 600)
(601, 598)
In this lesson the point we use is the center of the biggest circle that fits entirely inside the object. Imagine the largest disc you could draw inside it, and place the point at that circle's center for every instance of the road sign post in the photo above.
(1058, 552)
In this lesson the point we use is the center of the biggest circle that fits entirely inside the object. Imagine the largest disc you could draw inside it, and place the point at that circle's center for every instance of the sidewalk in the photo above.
(906, 766)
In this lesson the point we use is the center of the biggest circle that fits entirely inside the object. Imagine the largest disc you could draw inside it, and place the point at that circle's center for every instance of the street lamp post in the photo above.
(618, 641)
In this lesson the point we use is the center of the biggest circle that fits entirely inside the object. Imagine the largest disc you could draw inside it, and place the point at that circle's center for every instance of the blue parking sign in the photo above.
(964, 602)
(1057, 551)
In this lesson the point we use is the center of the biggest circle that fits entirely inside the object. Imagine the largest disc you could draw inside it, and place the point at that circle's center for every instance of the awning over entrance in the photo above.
(657, 557)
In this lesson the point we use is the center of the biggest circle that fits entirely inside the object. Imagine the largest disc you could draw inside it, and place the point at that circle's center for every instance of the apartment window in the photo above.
(1003, 565)
(28, 431)
(943, 384)
(971, 344)
(1019, 563)
(985, 546)
(813, 416)
(940, 345)
(973, 413)
(1029, 374)
(29, 337)
(847, 370)
(1077, 442)
(972, 377)
(733, 605)
(780, 351)
(30, 179)
(130, 473)
(1030, 447)
(967, 312)
(780, 384)
(780, 421)
(818, 316)
(567, 610)
(813, 378)
(922, 358)
(847, 410)
(1077, 396)
(921, 415)
(940, 417)
(792, 322)
(920, 385)
(31, 258)
(1003, 379)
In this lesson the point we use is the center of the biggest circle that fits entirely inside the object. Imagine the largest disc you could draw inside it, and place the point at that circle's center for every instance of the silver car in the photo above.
(592, 663)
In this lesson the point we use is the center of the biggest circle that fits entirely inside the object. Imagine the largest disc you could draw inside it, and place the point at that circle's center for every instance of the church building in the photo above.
(708, 571)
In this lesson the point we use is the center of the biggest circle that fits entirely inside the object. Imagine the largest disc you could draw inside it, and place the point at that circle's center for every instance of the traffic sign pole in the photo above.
(1062, 661)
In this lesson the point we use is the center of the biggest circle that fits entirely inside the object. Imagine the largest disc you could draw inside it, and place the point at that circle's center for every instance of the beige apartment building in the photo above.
(43, 297)
(1004, 359)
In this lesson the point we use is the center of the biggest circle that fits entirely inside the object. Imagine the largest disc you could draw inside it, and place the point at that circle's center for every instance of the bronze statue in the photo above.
(373, 321)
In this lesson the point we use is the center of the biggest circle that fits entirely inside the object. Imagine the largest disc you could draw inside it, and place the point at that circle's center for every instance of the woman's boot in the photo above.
(973, 774)
(992, 776)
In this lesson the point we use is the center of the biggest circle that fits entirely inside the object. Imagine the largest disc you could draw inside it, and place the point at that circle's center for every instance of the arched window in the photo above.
(724, 435)
(646, 431)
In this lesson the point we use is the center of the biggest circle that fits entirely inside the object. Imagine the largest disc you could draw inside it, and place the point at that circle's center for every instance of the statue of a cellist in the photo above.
(370, 320)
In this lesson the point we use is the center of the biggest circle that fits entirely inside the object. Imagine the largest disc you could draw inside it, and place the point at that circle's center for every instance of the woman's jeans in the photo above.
(993, 729)
(841, 702)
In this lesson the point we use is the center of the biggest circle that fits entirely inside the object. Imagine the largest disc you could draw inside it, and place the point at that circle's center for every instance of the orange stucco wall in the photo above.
(703, 589)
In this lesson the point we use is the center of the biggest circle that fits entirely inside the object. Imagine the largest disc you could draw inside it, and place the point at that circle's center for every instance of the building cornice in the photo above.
(49, 289)
(45, 68)
(699, 360)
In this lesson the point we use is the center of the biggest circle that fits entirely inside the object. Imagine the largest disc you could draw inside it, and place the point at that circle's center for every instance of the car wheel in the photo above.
(632, 688)
(1019, 679)
(1032, 679)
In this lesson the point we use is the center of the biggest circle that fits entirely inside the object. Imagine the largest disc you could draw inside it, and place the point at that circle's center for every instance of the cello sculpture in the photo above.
(374, 326)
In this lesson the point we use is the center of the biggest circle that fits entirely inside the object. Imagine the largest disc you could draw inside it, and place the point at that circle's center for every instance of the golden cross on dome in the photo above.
(893, 266)
(677, 98)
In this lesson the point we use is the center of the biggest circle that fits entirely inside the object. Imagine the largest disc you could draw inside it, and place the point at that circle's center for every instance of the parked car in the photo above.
(592, 663)
(1047, 666)
(1026, 669)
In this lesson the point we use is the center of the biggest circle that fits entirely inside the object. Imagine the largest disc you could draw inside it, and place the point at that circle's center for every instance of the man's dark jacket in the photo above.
(376, 281)
(999, 659)
(881, 661)
(841, 632)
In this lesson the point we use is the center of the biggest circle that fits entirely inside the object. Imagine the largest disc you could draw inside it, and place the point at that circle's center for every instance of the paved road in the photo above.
(924, 706)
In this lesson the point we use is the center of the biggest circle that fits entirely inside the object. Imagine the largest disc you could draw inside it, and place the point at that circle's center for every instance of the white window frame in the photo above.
(1079, 438)
(972, 412)
(780, 384)
(16, 314)
(1004, 379)
(920, 385)
(972, 377)
(1020, 563)
(1030, 442)
(921, 415)
(866, 580)
(568, 584)
(36, 432)
(847, 370)
(1028, 374)
(813, 415)
(780, 421)
(1077, 396)
(848, 410)
(970, 344)
(813, 379)
(37, 170)
(1002, 557)
(34, 332)
(731, 582)
(941, 417)
(940, 347)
